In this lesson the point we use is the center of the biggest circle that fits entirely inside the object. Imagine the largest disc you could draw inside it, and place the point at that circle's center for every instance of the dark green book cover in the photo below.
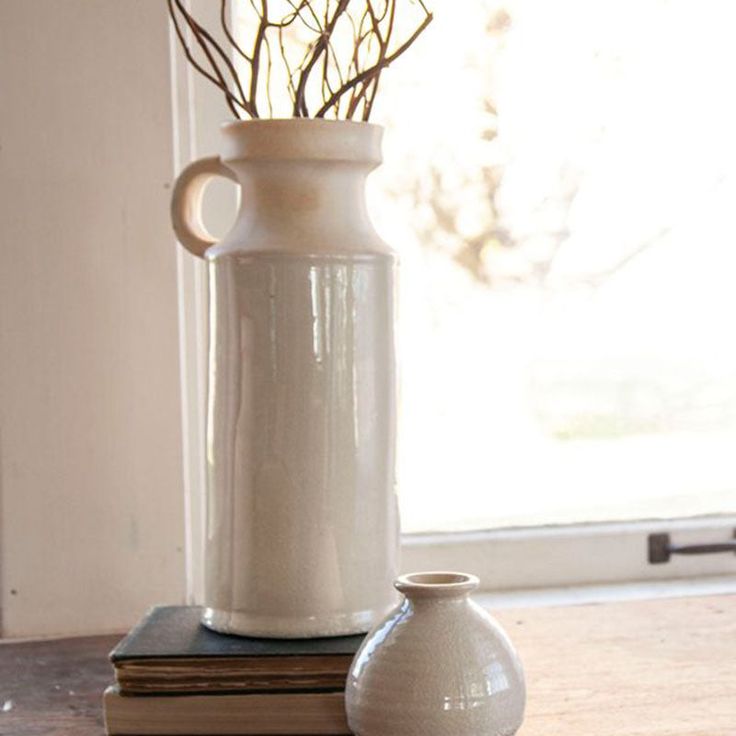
(176, 632)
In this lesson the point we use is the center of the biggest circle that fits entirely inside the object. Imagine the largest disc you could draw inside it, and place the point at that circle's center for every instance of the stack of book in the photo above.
(174, 676)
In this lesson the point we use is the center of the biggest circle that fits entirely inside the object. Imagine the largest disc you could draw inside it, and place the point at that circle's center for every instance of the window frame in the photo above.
(572, 554)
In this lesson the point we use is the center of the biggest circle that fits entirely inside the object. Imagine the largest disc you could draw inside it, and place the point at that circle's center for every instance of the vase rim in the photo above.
(436, 584)
(294, 122)
(301, 139)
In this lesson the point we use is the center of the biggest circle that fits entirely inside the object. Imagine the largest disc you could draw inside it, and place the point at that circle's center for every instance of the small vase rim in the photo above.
(436, 584)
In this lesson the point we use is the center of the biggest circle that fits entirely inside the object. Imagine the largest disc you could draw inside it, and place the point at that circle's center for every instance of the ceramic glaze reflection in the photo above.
(437, 665)
(301, 518)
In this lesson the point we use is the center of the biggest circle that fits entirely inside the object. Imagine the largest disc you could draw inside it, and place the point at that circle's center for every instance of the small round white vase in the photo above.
(437, 665)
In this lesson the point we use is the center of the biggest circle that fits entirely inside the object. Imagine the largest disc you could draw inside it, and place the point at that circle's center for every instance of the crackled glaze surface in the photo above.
(437, 665)
(302, 529)
(302, 523)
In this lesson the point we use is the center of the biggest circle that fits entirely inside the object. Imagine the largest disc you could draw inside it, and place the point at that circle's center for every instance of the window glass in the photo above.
(560, 182)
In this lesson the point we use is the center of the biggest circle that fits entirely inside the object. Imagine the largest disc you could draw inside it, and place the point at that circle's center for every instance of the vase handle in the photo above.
(186, 203)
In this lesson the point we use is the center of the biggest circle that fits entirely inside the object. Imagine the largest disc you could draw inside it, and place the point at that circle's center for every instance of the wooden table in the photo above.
(654, 668)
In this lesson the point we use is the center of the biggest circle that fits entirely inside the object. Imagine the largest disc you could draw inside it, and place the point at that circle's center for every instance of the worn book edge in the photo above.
(297, 714)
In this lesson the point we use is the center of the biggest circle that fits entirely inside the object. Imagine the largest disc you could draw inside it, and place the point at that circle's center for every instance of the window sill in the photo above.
(588, 594)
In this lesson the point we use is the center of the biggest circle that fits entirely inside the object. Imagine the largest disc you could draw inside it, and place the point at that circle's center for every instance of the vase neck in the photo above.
(302, 186)
(436, 586)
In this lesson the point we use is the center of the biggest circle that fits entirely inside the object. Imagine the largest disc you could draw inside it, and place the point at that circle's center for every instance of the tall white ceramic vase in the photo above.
(302, 526)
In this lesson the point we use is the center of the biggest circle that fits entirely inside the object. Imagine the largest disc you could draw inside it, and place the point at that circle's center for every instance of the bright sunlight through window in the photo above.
(559, 182)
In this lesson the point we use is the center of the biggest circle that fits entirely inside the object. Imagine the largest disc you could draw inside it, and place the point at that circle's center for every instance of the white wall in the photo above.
(92, 509)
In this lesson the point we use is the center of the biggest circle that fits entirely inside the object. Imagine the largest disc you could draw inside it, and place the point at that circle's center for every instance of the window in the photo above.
(559, 178)
(559, 183)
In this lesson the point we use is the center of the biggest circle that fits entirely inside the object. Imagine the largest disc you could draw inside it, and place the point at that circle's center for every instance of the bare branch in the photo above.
(320, 47)
(375, 69)
(216, 78)
(350, 76)
(228, 34)
(256, 54)
(269, 64)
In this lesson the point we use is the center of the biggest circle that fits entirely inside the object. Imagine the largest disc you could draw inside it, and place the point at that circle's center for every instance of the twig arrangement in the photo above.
(342, 47)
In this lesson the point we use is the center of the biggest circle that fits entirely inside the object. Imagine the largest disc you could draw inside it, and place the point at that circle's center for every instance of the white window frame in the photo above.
(198, 111)
(506, 560)
(574, 555)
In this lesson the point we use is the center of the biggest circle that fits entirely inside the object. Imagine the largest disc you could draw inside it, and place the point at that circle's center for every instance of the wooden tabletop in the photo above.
(649, 668)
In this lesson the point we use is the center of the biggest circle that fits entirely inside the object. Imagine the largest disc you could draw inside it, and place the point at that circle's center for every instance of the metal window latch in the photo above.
(661, 548)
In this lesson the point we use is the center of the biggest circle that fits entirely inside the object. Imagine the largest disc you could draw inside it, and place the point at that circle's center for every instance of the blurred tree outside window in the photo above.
(559, 180)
